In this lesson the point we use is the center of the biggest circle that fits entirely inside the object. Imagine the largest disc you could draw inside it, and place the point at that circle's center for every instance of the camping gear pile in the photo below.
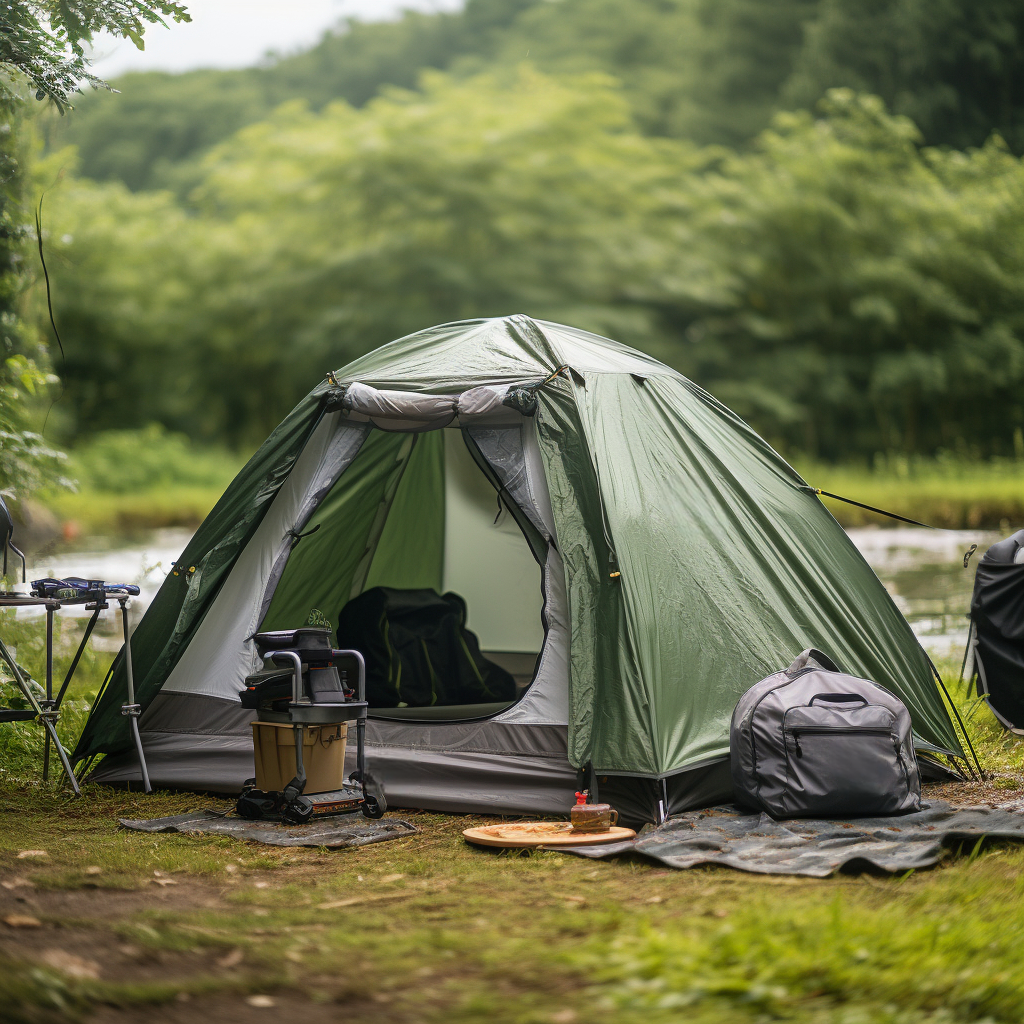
(652, 556)
(304, 691)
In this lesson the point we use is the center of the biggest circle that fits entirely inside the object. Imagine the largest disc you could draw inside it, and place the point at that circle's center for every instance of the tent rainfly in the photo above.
(652, 558)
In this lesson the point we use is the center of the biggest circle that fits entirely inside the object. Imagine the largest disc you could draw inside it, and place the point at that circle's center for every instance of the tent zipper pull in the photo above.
(796, 744)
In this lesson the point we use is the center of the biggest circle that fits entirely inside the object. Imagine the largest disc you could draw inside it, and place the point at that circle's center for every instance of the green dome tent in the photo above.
(654, 558)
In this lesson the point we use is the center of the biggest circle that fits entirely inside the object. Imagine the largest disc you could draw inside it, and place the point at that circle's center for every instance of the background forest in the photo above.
(813, 208)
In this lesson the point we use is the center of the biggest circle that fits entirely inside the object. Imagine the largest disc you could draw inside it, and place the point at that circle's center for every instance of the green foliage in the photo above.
(842, 286)
(26, 460)
(469, 198)
(844, 289)
(712, 71)
(45, 40)
(128, 461)
(857, 293)
(956, 68)
(708, 70)
(704, 70)
(156, 122)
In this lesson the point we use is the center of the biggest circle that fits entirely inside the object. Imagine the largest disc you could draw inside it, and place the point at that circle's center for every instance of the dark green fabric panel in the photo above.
(595, 606)
(410, 554)
(323, 567)
(729, 570)
(182, 601)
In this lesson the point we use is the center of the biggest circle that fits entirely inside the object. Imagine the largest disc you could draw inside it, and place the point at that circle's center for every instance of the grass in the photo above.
(129, 481)
(95, 513)
(951, 493)
(434, 930)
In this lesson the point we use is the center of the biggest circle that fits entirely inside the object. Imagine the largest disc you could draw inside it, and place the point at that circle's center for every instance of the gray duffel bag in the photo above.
(812, 742)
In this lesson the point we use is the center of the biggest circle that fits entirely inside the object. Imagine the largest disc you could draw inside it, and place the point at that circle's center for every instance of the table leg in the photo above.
(131, 709)
(49, 692)
(62, 754)
(78, 656)
(50, 732)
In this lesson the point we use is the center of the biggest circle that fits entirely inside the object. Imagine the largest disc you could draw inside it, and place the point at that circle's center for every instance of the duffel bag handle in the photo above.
(812, 655)
(840, 698)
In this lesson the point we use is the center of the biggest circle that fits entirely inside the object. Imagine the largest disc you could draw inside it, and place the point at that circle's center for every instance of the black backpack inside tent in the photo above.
(419, 652)
(997, 631)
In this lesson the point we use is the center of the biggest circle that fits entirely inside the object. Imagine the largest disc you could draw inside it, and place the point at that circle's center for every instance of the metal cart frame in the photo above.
(302, 712)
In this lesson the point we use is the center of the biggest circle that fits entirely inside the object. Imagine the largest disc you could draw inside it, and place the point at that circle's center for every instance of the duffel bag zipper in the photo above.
(796, 733)
(899, 758)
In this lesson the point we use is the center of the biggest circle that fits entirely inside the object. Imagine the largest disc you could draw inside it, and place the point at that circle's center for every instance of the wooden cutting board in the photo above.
(525, 834)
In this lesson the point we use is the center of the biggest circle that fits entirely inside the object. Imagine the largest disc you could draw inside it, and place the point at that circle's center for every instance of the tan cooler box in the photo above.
(323, 756)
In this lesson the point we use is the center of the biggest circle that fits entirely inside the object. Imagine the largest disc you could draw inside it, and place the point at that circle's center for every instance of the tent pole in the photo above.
(593, 784)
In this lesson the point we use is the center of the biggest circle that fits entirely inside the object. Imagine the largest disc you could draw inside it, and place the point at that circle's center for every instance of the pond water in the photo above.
(922, 569)
(924, 572)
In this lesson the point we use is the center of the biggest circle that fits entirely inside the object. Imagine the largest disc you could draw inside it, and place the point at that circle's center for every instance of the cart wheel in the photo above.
(373, 809)
(299, 811)
(248, 784)
(251, 805)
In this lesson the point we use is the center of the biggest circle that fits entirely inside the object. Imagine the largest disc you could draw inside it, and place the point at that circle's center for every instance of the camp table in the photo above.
(47, 710)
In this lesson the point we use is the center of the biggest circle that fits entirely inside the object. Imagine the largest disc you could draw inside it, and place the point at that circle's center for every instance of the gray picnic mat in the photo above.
(758, 843)
(339, 830)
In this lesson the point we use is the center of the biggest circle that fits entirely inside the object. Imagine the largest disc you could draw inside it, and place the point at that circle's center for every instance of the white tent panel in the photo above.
(220, 656)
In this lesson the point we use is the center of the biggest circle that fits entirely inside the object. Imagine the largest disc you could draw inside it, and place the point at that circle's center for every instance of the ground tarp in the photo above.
(341, 830)
(759, 844)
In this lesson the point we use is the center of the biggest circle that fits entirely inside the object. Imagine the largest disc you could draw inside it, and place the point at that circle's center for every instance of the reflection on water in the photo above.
(922, 569)
(145, 564)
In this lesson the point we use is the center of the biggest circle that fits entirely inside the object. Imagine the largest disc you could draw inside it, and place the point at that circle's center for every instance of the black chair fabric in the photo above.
(418, 650)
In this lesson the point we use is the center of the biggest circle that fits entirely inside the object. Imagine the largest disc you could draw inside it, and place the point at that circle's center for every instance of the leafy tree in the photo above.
(843, 288)
(705, 70)
(157, 120)
(955, 67)
(44, 40)
(41, 44)
(469, 198)
(25, 459)
(148, 133)
(859, 293)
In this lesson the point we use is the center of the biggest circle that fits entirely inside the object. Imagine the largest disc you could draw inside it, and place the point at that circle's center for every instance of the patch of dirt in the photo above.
(104, 904)
(66, 931)
(234, 1009)
(997, 788)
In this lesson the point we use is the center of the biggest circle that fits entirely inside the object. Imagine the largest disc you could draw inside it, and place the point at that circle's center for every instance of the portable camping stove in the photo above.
(304, 683)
